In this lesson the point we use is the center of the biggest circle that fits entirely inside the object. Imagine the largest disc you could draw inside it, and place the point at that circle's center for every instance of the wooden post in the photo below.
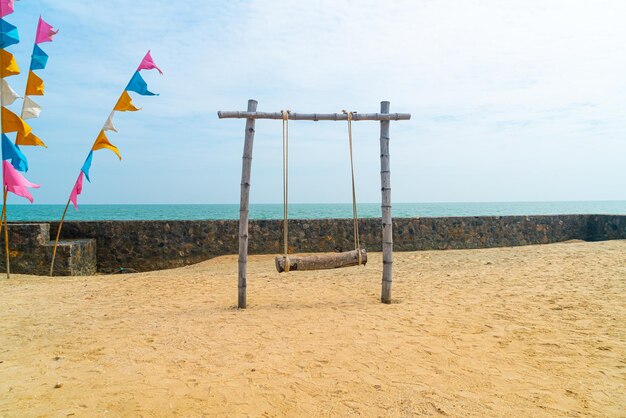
(6, 232)
(244, 204)
(56, 241)
(385, 182)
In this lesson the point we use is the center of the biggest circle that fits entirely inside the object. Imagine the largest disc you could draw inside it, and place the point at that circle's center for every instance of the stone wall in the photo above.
(153, 245)
(31, 252)
(603, 227)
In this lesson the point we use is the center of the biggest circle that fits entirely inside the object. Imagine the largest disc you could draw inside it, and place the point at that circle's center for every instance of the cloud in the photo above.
(516, 100)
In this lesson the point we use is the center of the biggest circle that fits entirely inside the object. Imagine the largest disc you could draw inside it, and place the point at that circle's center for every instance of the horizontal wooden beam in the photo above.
(312, 116)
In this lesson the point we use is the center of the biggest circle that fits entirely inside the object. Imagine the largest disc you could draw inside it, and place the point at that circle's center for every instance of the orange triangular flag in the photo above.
(103, 142)
(125, 103)
(30, 139)
(13, 123)
(9, 65)
(34, 85)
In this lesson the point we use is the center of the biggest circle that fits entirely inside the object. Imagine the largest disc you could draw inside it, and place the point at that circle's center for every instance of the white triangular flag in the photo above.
(108, 125)
(8, 94)
(30, 109)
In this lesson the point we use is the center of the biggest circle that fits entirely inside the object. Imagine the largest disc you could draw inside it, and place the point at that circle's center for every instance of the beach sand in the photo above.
(527, 331)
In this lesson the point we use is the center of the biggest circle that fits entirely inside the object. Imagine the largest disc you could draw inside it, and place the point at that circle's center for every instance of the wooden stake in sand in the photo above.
(56, 240)
(5, 192)
(246, 168)
(6, 229)
(385, 174)
(385, 188)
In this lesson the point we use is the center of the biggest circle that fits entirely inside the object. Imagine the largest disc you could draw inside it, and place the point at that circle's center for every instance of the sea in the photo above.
(36, 212)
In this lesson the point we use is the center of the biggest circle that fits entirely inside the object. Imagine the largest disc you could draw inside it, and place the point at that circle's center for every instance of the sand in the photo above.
(526, 331)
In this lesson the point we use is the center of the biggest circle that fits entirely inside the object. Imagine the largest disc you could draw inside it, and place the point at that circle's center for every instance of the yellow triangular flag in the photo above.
(9, 65)
(125, 103)
(103, 142)
(30, 139)
(13, 123)
(34, 85)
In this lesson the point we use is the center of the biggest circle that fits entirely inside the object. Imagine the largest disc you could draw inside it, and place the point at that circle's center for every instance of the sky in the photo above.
(518, 100)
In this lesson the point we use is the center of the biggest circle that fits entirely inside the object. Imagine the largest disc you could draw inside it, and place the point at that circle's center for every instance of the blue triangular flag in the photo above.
(87, 165)
(139, 85)
(9, 35)
(39, 59)
(12, 152)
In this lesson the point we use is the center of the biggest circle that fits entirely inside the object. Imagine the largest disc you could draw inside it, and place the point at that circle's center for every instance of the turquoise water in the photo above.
(308, 211)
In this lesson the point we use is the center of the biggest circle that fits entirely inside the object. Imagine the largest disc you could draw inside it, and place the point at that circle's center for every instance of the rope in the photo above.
(355, 216)
(285, 114)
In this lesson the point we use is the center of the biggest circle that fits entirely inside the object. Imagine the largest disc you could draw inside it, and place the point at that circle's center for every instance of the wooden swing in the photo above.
(285, 263)
(251, 115)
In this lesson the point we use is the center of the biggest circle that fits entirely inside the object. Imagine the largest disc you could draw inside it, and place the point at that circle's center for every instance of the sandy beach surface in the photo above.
(526, 331)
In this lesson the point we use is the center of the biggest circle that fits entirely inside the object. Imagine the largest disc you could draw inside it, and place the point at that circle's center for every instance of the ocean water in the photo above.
(308, 211)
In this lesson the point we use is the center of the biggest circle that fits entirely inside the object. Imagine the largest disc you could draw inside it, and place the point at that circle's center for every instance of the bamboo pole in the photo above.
(5, 191)
(243, 206)
(312, 116)
(385, 181)
(2, 216)
(56, 241)
(6, 231)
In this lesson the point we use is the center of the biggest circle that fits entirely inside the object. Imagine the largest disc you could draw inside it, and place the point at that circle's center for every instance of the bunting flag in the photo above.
(139, 85)
(125, 104)
(15, 182)
(76, 190)
(13, 160)
(147, 63)
(108, 126)
(45, 32)
(10, 151)
(6, 7)
(39, 59)
(34, 85)
(9, 65)
(29, 140)
(8, 94)
(13, 123)
(103, 142)
(8, 34)
(87, 165)
(30, 109)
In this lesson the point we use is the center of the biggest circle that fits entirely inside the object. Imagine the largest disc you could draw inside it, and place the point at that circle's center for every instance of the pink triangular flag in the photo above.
(15, 182)
(148, 64)
(45, 32)
(6, 7)
(78, 189)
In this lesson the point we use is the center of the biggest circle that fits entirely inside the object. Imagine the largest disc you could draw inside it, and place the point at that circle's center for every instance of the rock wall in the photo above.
(31, 252)
(153, 245)
(603, 227)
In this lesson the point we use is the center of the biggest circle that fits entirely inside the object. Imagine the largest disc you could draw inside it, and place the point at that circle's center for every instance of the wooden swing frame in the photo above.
(251, 115)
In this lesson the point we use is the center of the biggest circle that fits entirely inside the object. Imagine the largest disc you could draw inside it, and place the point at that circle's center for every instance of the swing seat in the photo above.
(321, 261)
